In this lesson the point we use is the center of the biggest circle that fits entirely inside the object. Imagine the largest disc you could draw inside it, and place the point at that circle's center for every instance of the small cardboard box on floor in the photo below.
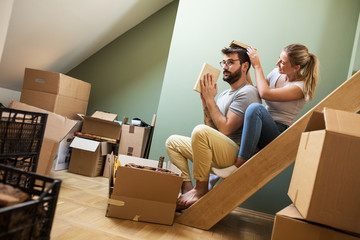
(290, 225)
(55, 92)
(325, 183)
(57, 127)
(142, 194)
(88, 156)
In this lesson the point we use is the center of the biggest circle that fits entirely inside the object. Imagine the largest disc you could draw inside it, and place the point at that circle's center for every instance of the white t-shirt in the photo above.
(284, 112)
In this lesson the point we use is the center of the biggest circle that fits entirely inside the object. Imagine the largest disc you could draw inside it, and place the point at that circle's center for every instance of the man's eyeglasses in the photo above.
(228, 62)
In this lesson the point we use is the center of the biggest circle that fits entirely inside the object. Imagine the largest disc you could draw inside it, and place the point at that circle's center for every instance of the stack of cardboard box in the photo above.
(325, 183)
(55, 92)
(139, 194)
(62, 98)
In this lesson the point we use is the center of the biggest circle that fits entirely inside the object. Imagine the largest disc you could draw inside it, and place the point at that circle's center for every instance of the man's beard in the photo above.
(233, 77)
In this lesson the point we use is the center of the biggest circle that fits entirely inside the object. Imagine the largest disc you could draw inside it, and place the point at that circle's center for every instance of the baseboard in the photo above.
(253, 213)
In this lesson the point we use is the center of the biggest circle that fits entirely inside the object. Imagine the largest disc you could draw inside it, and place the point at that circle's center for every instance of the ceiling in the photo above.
(57, 35)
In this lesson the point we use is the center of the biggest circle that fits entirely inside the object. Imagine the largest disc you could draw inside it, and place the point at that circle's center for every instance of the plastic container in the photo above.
(21, 136)
(31, 219)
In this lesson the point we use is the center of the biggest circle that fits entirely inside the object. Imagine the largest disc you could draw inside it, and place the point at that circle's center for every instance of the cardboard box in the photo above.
(134, 140)
(143, 195)
(102, 124)
(57, 127)
(290, 225)
(62, 158)
(55, 92)
(325, 181)
(125, 160)
(87, 157)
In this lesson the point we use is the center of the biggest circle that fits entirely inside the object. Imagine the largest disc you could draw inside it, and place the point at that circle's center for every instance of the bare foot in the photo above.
(189, 198)
(186, 186)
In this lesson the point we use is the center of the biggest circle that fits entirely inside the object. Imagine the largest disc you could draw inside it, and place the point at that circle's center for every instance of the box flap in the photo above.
(291, 212)
(147, 184)
(84, 144)
(316, 122)
(124, 159)
(342, 122)
(105, 115)
(101, 127)
(104, 148)
(57, 126)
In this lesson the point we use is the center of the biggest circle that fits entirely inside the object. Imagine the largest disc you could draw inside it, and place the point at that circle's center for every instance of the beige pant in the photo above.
(206, 148)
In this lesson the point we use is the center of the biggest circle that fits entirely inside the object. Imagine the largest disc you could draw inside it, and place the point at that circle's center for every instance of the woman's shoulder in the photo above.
(274, 74)
(300, 84)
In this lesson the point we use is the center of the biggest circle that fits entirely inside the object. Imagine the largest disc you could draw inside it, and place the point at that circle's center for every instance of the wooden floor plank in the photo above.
(266, 164)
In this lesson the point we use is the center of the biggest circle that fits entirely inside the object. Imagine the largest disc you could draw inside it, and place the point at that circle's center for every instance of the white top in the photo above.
(284, 112)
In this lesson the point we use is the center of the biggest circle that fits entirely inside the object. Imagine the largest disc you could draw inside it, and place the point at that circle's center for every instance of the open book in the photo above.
(236, 43)
(207, 68)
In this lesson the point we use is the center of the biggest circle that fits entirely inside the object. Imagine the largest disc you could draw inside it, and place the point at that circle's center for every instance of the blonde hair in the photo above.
(298, 54)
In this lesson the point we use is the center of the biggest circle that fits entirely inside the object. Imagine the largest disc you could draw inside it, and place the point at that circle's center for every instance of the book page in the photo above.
(207, 68)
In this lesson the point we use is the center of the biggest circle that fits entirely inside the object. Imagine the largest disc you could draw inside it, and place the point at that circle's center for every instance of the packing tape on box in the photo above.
(136, 218)
(130, 151)
(131, 129)
(116, 202)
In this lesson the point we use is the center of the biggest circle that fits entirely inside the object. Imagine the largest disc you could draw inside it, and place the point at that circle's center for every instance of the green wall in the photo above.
(203, 27)
(140, 73)
(126, 75)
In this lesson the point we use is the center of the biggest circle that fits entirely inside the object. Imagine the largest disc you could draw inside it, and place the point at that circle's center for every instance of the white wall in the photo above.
(7, 95)
(5, 13)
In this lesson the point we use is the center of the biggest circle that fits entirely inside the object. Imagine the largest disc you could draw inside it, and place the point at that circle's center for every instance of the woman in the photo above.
(285, 91)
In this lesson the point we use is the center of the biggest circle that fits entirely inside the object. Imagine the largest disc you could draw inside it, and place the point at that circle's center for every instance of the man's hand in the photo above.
(212, 114)
(208, 88)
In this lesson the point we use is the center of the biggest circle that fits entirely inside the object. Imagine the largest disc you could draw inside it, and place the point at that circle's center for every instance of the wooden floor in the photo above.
(80, 214)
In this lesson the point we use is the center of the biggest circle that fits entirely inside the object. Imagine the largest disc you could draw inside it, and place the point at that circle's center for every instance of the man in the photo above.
(217, 142)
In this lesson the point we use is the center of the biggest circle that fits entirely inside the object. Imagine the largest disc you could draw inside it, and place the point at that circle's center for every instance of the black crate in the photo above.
(21, 136)
(31, 219)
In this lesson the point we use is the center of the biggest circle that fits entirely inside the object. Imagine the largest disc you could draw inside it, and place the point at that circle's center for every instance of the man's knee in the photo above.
(200, 130)
(170, 141)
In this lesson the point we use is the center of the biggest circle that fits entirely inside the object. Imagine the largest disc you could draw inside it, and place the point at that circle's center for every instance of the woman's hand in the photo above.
(254, 58)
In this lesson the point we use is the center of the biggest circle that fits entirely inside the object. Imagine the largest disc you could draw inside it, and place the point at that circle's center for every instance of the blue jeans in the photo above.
(259, 129)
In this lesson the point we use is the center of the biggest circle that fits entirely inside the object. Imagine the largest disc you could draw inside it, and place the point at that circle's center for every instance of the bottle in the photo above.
(161, 161)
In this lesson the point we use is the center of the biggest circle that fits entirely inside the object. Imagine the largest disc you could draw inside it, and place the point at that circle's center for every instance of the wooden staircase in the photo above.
(266, 164)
